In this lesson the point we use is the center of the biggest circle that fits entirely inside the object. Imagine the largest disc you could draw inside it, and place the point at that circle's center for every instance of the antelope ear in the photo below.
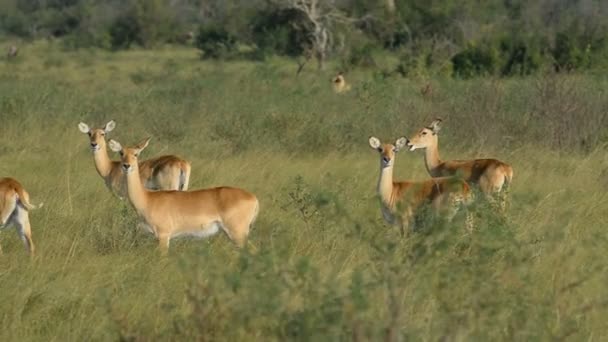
(435, 126)
(140, 147)
(109, 126)
(114, 145)
(400, 143)
(84, 128)
(374, 143)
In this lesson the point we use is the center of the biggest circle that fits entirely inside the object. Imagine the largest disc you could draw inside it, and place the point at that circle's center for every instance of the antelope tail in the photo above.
(24, 198)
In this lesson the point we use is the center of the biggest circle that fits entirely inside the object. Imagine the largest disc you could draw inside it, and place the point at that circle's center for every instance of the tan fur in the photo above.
(12, 51)
(400, 201)
(492, 176)
(200, 212)
(14, 206)
(166, 172)
(339, 84)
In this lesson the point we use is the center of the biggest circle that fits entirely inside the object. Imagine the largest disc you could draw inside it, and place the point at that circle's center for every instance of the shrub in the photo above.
(359, 57)
(215, 42)
(475, 61)
(568, 53)
(520, 57)
(123, 33)
(281, 31)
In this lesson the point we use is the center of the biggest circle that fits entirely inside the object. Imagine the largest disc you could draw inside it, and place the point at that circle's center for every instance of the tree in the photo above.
(323, 15)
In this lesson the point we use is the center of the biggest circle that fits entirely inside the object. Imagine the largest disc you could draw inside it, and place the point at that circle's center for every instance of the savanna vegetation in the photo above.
(463, 39)
(232, 87)
(325, 265)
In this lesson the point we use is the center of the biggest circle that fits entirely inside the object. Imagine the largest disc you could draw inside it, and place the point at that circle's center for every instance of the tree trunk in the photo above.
(390, 6)
(321, 60)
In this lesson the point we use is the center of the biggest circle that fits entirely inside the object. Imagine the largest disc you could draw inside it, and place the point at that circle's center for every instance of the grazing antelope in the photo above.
(161, 173)
(400, 201)
(491, 175)
(12, 52)
(339, 83)
(14, 207)
(198, 213)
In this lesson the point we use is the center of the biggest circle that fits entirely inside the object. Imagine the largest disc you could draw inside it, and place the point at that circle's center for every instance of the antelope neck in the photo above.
(103, 164)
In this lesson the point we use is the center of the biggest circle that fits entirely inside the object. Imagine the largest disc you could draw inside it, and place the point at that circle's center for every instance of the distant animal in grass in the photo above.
(12, 52)
(339, 83)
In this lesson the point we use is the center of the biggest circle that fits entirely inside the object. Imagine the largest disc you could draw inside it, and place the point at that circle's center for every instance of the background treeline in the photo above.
(463, 38)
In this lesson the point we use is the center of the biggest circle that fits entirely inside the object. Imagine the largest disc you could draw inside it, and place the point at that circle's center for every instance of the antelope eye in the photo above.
(423, 133)
(103, 134)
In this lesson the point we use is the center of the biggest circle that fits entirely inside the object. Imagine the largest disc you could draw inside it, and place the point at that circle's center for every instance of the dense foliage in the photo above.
(471, 38)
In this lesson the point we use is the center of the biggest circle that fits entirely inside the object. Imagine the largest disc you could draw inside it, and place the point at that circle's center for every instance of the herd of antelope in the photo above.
(157, 189)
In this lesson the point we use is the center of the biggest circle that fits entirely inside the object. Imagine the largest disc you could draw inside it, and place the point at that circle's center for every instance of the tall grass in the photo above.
(326, 266)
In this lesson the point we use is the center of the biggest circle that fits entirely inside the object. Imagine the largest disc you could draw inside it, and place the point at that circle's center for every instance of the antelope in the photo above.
(166, 172)
(198, 213)
(400, 201)
(14, 207)
(492, 176)
(12, 51)
(339, 83)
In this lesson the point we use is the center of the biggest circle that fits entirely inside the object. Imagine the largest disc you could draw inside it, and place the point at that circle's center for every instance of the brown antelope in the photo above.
(14, 207)
(339, 83)
(12, 52)
(400, 201)
(491, 175)
(198, 213)
(166, 172)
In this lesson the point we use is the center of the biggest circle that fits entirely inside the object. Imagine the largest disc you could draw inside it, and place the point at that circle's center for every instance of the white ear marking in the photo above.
(374, 142)
(84, 128)
(435, 125)
(400, 143)
(142, 145)
(109, 126)
(115, 145)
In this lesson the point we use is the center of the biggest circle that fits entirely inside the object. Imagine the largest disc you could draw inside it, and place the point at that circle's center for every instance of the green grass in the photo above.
(326, 267)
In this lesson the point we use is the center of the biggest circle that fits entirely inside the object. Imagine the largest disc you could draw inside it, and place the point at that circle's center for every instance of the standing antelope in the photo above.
(491, 175)
(198, 213)
(161, 173)
(12, 52)
(14, 207)
(339, 83)
(400, 201)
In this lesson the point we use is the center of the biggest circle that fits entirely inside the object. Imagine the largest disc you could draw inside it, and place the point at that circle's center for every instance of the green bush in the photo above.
(282, 32)
(123, 33)
(359, 57)
(570, 52)
(475, 61)
(520, 57)
(215, 42)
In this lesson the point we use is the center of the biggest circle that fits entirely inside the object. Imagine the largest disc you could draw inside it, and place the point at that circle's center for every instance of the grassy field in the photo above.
(326, 266)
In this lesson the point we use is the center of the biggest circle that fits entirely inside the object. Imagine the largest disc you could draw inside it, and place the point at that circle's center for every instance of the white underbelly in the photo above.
(199, 233)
